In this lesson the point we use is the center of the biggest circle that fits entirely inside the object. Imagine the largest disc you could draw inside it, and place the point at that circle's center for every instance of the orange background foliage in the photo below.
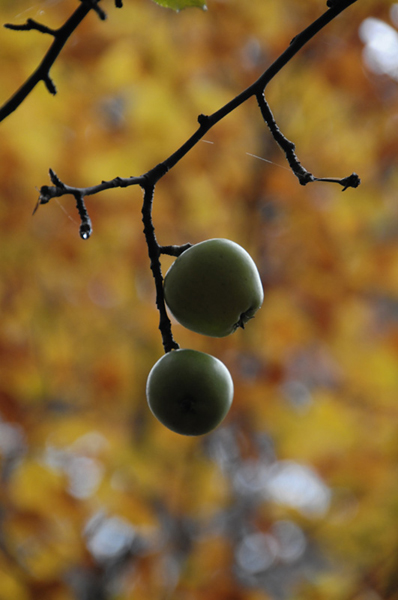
(295, 496)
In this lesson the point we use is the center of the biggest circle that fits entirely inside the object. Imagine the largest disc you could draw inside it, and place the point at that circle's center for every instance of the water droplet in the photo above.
(85, 231)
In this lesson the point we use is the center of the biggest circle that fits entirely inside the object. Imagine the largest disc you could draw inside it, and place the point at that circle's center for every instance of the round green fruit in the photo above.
(213, 288)
(190, 392)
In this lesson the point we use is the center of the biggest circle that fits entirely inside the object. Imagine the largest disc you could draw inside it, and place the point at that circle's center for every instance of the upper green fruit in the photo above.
(213, 288)
(190, 392)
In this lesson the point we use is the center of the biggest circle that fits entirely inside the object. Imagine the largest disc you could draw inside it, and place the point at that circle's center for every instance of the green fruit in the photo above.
(190, 392)
(213, 288)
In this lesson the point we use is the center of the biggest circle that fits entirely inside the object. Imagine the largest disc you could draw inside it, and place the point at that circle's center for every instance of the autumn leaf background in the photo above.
(295, 496)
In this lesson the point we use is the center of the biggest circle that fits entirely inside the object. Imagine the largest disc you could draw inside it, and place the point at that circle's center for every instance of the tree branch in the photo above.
(61, 35)
(289, 148)
(154, 254)
(149, 180)
(29, 25)
(257, 88)
(61, 189)
(206, 122)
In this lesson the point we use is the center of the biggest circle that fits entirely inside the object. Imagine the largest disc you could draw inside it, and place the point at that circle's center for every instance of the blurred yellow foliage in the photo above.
(295, 497)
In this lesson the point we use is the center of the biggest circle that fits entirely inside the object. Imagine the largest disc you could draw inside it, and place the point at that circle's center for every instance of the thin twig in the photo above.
(352, 180)
(30, 25)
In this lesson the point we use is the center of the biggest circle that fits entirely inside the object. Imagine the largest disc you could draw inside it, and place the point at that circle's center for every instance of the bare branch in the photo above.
(257, 88)
(154, 253)
(206, 122)
(148, 180)
(61, 189)
(287, 146)
(31, 24)
(42, 73)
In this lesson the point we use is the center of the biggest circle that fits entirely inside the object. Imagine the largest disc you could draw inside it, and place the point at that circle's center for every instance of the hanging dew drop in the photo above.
(85, 234)
(85, 231)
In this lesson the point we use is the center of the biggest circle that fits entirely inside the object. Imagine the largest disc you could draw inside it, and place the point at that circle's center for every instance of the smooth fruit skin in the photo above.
(190, 392)
(213, 288)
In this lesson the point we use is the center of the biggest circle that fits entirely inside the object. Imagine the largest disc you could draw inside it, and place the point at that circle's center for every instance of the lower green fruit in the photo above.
(190, 392)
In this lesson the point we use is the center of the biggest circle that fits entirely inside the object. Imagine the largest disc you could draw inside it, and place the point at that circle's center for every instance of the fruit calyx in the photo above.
(243, 319)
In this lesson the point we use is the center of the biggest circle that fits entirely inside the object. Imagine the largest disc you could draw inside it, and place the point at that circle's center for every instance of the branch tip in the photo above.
(44, 198)
(55, 180)
(96, 8)
(50, 85)
(36, 206)
(352, 180)
(30, 25)
(85, 229)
